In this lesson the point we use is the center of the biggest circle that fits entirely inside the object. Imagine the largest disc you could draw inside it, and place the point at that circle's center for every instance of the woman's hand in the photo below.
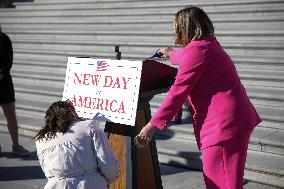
(166, 52)
(147, 132)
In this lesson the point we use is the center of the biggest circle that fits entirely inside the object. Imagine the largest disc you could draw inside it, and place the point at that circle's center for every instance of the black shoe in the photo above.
(20, 151)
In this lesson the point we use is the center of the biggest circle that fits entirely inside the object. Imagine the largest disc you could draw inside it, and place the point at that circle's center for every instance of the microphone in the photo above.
(157, 54)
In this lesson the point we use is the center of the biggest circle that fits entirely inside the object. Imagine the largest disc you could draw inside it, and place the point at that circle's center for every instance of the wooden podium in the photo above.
(139, 168)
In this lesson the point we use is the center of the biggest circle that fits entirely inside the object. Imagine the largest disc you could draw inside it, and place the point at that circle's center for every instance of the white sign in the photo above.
(106, 87)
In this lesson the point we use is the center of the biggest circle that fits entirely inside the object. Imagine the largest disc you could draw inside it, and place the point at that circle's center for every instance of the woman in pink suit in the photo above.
(223, 117)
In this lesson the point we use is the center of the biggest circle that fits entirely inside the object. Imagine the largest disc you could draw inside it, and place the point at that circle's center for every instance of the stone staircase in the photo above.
(46, 32)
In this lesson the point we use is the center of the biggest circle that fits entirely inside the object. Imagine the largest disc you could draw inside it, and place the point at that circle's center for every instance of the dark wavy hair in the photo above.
(191, 23)
(57, 119)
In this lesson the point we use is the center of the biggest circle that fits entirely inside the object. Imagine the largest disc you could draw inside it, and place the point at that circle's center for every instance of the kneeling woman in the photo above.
(74, 153)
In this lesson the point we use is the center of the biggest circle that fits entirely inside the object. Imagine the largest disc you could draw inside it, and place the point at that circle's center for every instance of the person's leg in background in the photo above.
(223, 164)
(178, 116)
(10, 114)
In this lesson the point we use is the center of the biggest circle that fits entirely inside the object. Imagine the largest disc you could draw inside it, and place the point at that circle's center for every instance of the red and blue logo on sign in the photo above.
(102, 65)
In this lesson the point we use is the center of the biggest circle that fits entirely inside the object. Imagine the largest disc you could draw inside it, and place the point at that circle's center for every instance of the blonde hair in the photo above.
(191, 23)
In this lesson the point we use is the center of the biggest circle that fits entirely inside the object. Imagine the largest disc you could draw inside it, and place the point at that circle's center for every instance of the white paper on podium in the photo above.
(104, 87)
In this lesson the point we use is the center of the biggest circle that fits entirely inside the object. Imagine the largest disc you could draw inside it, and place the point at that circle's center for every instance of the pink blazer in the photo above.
(208, 78)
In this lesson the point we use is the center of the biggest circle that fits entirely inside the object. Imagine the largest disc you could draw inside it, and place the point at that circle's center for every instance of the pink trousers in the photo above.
(224, 164)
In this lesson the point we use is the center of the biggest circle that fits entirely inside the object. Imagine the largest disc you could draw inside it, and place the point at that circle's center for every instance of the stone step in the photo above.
(277, 75)
(271, 113)
(262, 83)
(26, 118)
(273, 122)
(210, 9)
(274, 114)
(183, 131)
(166, 2)
(37, 68)
(266, 123)
(40, 82)
(105, 43)
(265, 92)
(136, 40)
(257, 66)
(129, 5)
(25, 105)
(40, 89)
(268, 102)
(262, 139)
(39, 76)
(273, 102)
(58, 63)
(222, 28)
(141, 34)
(74, 1)
(260, 167)
(41, 101)
(155, 17)
(29, 58)
(179, 153)
(138, 54)
(109, 6)
(265, 107)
